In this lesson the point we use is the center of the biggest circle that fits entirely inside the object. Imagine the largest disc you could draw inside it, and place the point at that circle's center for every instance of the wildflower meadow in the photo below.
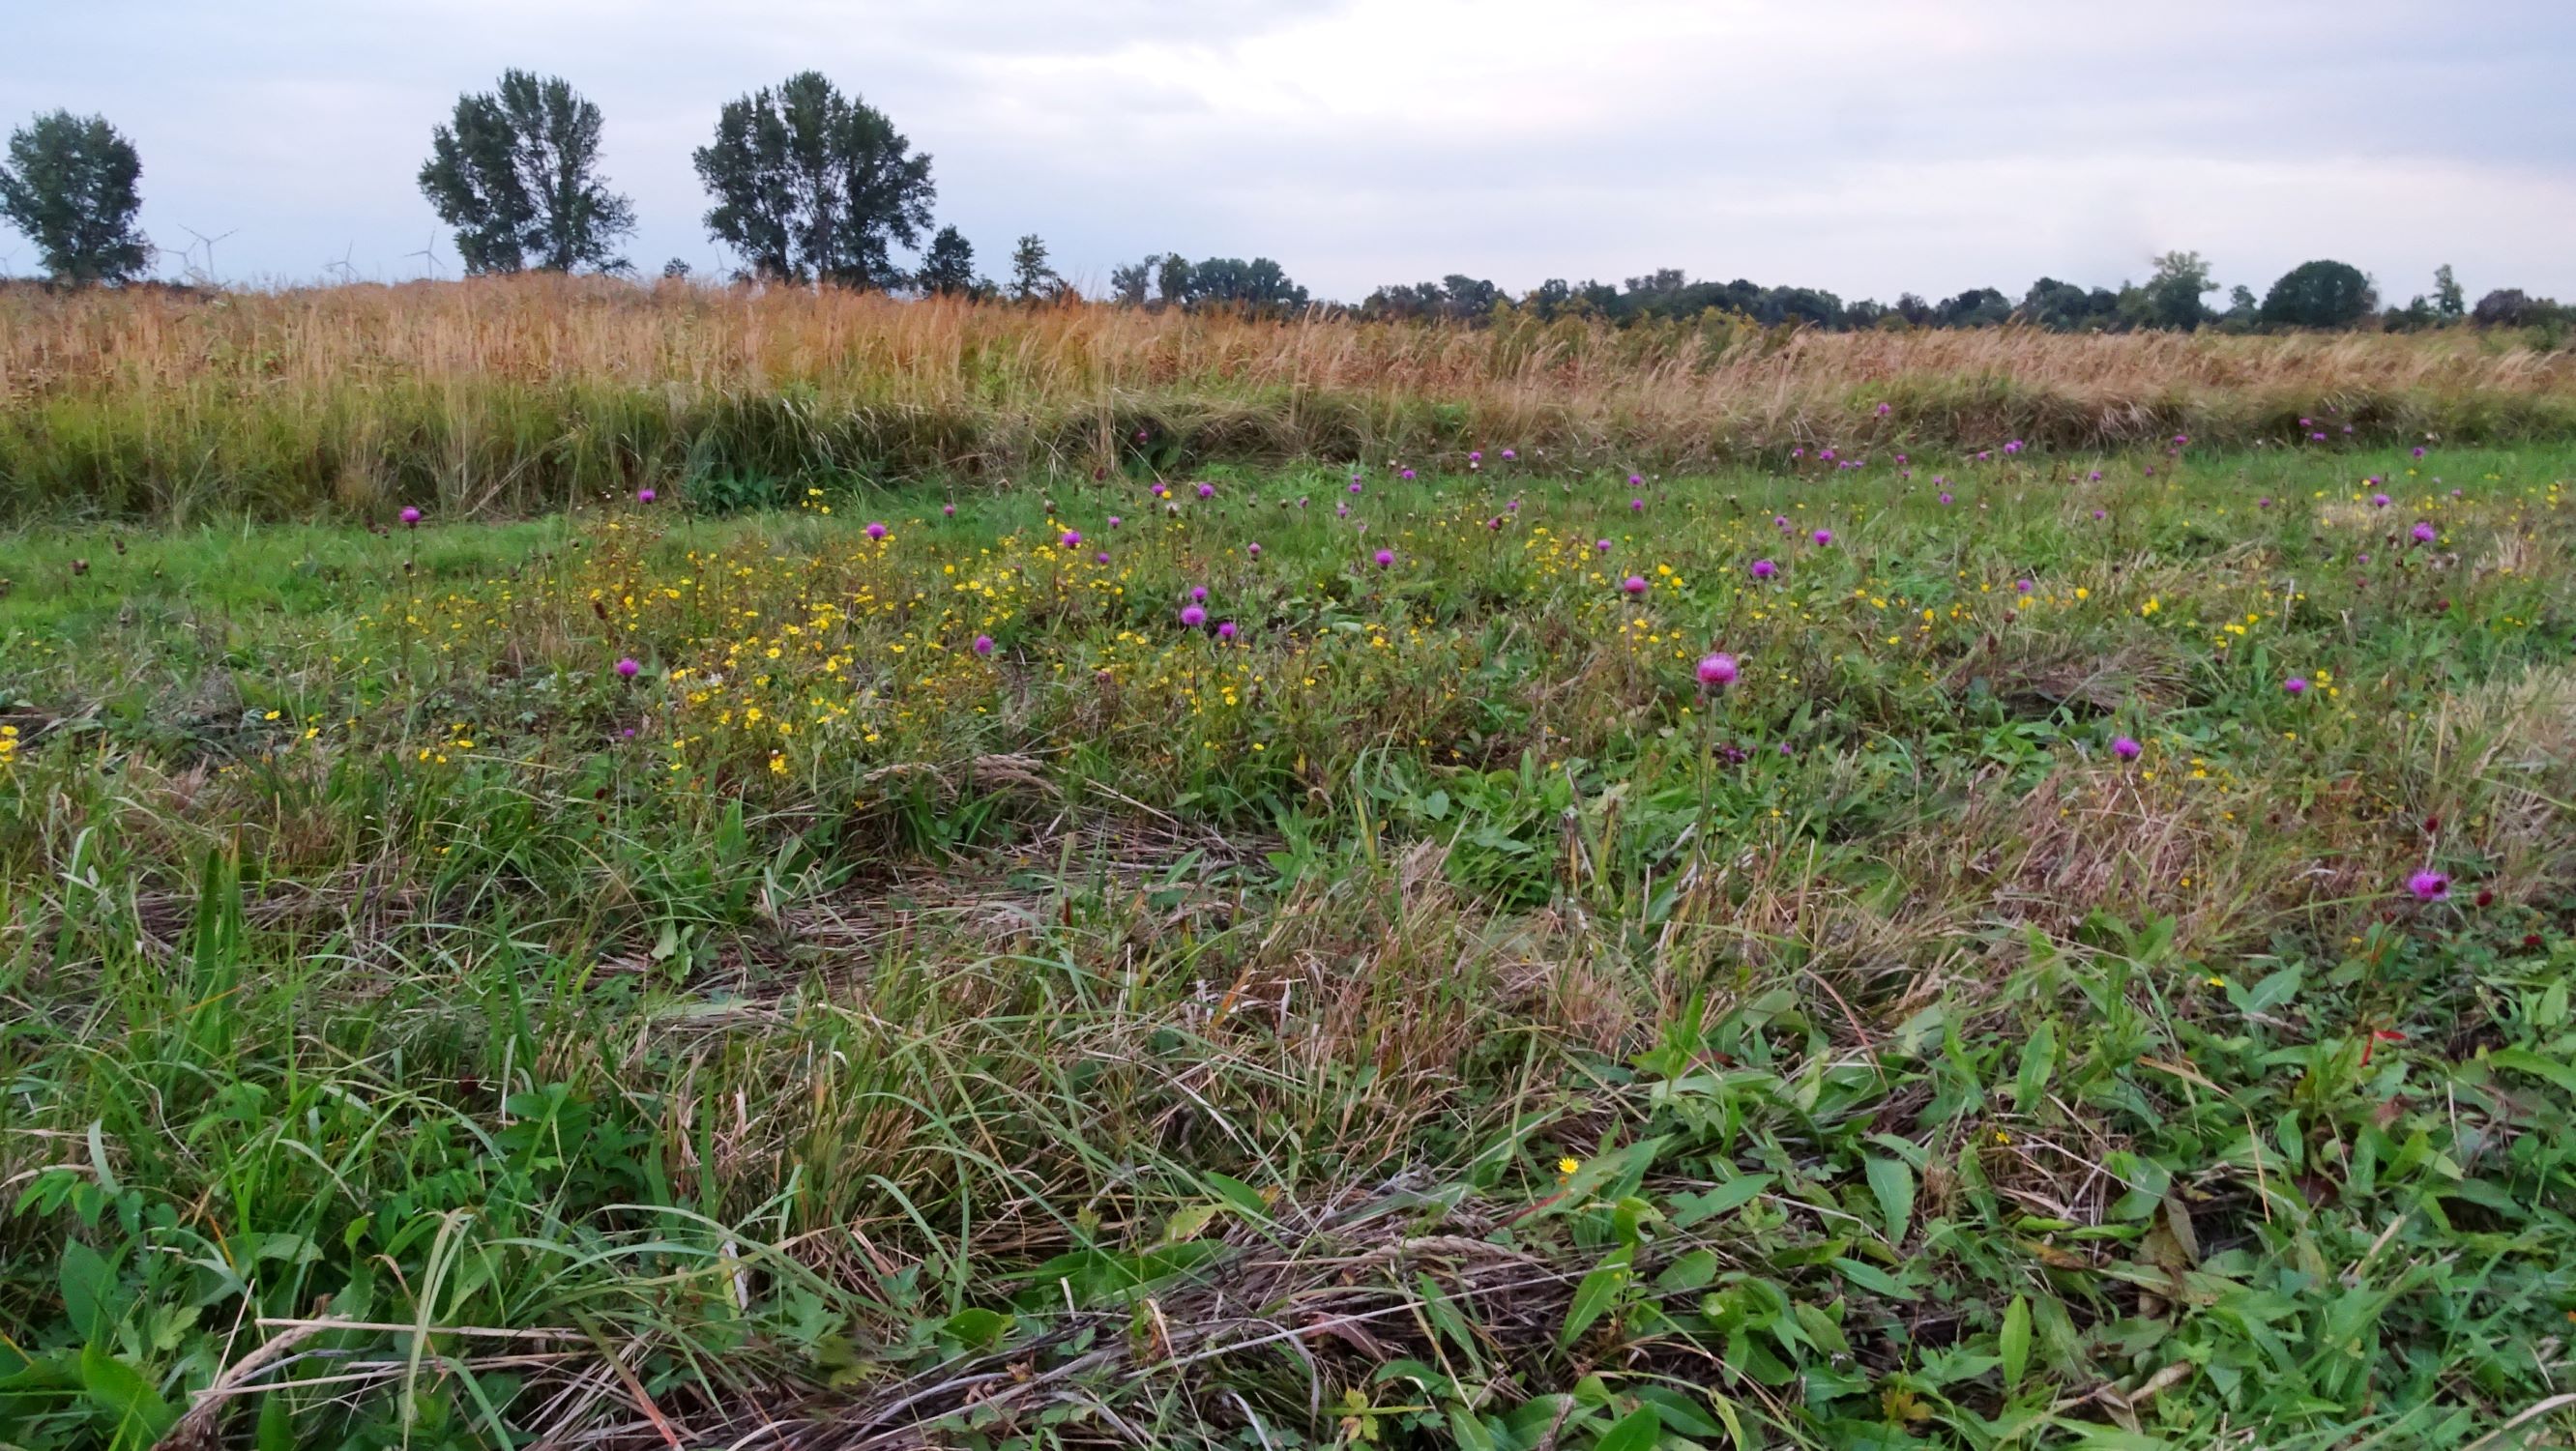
(1885, 934)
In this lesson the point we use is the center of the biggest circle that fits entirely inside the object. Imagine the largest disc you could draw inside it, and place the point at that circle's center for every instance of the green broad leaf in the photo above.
(1872, 1278)
(1690, 1209)
(121, 1391)
(2038, 1061)
(1188, 1224)
(1246, 1200)
(88, 1286)
(2523, 1060)
(977, 1329)
(2272, 991)
(1892, 1180)
(276, 1425)
(1595, 1295)
(1693, 1271)
(1636, 1431)
(1469, 1431)
(1683, 1415)
(2013, 1342)
(1443, 1314)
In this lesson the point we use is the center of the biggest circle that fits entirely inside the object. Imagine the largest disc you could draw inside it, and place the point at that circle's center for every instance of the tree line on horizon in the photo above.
(814, 187)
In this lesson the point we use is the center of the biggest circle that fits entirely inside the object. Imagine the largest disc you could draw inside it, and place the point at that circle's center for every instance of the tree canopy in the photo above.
(70, 185)
(516, 173)
(947, 265)
(814, 185)
(2322, 293)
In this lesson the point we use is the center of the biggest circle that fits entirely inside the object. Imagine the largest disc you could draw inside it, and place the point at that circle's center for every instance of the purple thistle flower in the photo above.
(1780, 522)
(876, 531)
(2182, 440)
(1385, 558)
(1193, 616)
(645, 496)
(2097, 513)
(1407, 476)
(1253, 549)
(1797, 453)
(948, 510)
(1072, 539)
(1207, 491)
(2429, 885)
(1636, 480)
(1945, 496)
(1636, 506)
(1824, 455)
(2012, 446)
(1717, 670)
(2021, 586)
(1101, 558)
(1225, 631)
(1634, 584)
(1883, 410)
(1984, 454)
(1824, 536)
(1115, 521)
(1764, 569)
(983, 644)
(1475, 455)
(410, 516)
(2295, 685)
(1198, 594)
(1355, 485)
(2419, 450)
(2424, 531)
(2125, 748)
(1509, 455)
(2093, 477)
(629, 667)
(1601, 546)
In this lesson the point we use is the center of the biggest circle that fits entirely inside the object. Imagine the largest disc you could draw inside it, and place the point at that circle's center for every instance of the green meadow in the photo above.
(2090, 970)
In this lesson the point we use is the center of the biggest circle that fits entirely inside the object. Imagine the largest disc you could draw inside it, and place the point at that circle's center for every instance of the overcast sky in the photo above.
(1864, 146)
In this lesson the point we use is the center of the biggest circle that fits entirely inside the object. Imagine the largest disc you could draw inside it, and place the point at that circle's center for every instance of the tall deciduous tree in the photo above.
(1172, 280)
(2323, 293)
(1129, 282)
(516, 173)
(2448, 299)
(70, 185)
(1031, 277)
(948, 265)
(814, 185)
(2171, 298)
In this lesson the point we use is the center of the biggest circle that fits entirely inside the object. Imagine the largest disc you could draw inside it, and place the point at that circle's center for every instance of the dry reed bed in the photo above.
(534, 392)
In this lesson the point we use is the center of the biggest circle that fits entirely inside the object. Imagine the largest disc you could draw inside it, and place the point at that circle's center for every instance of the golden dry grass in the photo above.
(529, 392)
